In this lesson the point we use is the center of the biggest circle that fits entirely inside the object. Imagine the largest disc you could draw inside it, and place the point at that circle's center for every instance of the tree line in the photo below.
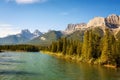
(28, 48)
(94, 48)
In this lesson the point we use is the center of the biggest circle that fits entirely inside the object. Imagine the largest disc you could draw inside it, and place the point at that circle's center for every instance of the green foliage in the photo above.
(64, 40)
(77, 35)
(54, 47)
(85, 45)
(91, 42)
(96, 45)
(118, 35)
(79, 48)
(108, 44)
(28, 48)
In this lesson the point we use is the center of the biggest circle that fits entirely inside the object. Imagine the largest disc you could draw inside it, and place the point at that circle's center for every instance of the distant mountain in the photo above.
(75, 27)
(26, 33)
(73, 31)
(76, 31)
(22, 37)
(79, 34)
(112, 22)
(37, 33)
(47, 38)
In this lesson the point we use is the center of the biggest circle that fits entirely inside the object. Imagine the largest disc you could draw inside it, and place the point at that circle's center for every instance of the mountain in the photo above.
(73, 31)
(22, 37)
(97, 25)
(47, 38)
(112, 22)
(76, 31)
(74, 27)
(37, 33)
(96, 22)
(26, 33)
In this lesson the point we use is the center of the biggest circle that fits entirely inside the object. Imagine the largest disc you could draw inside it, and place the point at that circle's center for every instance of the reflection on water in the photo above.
(37, 66)
(3, 72)
(11, 61)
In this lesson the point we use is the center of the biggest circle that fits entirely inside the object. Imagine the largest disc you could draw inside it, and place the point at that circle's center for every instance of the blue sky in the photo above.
(51, 14)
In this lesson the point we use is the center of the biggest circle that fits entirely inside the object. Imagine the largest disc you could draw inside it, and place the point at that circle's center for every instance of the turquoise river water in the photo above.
(39, 66)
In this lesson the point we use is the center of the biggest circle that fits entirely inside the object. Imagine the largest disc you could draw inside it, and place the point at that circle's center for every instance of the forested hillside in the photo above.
(95, 48)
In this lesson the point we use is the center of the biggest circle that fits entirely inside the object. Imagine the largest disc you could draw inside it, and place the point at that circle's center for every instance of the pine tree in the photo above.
(59, 45)
(85, 45)
(54, 47)
(71, 50)
(79, 48)
(108, 41)
(90, 46)
(64, 46)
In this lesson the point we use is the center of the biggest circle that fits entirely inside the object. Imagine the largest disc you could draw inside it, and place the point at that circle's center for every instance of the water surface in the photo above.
(38, 66)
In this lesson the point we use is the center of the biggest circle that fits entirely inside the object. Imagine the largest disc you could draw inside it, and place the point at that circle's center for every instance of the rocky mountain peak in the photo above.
(25, 31)
(113, 21)
(37, 33)
(74, 27)
(97, 21)
(113, 15)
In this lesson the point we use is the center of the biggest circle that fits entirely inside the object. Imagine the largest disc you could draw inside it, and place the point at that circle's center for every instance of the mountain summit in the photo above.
(24, 36)
(112, 22)
(74, 31)
(74, 27)
(37, 33)
(26, 33)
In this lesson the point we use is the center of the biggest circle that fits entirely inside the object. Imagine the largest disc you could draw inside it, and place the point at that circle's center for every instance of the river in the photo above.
(39, 66)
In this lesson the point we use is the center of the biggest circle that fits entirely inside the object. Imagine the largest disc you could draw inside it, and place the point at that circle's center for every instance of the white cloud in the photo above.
(6, 29)
(27, 1)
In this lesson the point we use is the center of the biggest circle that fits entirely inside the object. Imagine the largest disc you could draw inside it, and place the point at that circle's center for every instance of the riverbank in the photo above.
(17, 51)
(60, 55)
(76, 59)
(1, 51)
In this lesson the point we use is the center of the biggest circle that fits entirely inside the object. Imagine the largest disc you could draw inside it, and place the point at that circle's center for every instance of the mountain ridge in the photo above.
(22, 37)
(74, 31)
(112, 22)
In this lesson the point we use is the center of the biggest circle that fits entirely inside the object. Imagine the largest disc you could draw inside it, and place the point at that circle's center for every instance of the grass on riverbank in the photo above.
(76, 59)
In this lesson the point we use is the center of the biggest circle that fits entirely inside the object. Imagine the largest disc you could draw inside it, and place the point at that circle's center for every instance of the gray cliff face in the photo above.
(113, 21)
(71, 27)
(74, 27)
(96, 22)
